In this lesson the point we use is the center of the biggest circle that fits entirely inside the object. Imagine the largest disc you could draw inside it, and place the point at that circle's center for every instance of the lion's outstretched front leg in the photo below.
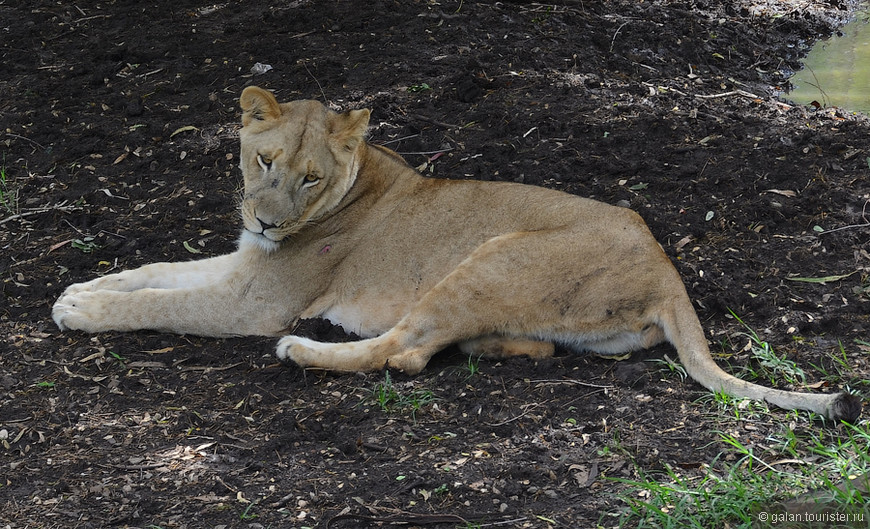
(207, 298)
(220, 309)
(159, 275)
(132, 299)
(177, 310)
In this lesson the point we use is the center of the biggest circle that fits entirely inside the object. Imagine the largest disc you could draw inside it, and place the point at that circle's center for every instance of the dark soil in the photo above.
(118, 132)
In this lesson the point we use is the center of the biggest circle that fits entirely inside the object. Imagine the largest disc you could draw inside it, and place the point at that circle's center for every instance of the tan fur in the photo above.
(336, 228)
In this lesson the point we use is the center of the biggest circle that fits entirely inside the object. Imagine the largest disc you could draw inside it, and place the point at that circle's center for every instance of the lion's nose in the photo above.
(265, 225)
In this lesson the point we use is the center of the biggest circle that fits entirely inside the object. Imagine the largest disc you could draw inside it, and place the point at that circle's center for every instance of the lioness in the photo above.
(340, 229)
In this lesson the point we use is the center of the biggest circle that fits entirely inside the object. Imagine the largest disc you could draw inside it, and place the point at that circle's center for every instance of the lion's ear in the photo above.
(258, 104)
(349, 129)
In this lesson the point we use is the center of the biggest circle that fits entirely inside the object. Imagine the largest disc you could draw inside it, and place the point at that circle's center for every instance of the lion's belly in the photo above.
(367, 318)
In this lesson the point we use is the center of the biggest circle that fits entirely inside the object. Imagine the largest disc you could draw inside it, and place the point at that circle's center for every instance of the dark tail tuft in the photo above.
(847, 408)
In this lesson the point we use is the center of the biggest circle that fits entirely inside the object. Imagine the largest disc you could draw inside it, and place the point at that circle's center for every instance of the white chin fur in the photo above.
(249, 239)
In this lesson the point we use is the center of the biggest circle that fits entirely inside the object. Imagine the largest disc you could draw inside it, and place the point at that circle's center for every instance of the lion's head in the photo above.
(299, 159)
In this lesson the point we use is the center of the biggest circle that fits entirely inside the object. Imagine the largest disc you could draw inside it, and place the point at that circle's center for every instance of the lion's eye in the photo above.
(311, 179)
(264, 161)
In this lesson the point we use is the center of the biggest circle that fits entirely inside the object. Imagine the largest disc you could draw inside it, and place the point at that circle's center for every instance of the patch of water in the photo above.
(837, 70)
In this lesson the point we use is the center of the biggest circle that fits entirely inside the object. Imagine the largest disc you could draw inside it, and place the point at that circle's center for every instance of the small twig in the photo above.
(650, 68)
(15, 421)
(427, 119)
(68, 223)
(850, 227)
(818, 86)
(397, 140)
(222, 482)
(402, 518)
(613, 40)
(425, 153)
(504, 522)
(325, 99)
(25, 139)
(58, 207)
(662, 88)
(300, 35)
(144, 466)
(283, 501)
(528, 409)
(113, 234)
(743, 93)
(85, 19)
(853, 226)
(209, 369)
(570, 381)
(152, 72)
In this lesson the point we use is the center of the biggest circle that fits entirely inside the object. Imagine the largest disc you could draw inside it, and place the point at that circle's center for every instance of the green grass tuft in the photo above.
(803, 466)
(390, 398)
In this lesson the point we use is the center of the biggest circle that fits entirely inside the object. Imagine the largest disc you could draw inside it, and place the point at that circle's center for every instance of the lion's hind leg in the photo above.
(489, 303)
(494, 346)
(620, 343)
(387, 351)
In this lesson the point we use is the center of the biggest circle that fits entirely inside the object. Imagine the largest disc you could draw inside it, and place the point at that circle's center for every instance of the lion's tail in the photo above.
(684, 331)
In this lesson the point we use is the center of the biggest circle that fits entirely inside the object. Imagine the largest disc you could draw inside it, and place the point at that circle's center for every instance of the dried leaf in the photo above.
(190, 248)
(54, 247)
(584, 475)
(708, 139)
(160, 351)
(682, 242)
(182, 129)
(820, 280)
(784, 192)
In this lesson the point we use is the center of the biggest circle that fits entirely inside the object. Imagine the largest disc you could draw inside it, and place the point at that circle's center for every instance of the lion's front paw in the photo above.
(75, 288)
(301, 351)
(122, 282)
(410, 362)
(82, 310)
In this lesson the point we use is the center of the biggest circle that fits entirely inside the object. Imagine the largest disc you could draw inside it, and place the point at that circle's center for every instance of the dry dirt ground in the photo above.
(118, 132)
